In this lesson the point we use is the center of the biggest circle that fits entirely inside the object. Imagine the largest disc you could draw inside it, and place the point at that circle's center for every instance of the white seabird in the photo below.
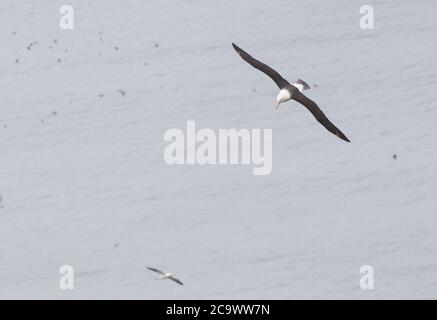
(165, 275)
(292, 91)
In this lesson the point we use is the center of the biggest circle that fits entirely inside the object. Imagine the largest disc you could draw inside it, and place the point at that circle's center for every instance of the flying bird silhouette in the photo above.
(166, 275)
(292, 91)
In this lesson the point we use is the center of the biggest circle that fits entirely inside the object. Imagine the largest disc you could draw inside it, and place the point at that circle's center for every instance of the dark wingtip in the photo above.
(342, 136)
(345, 139)
(236, 48)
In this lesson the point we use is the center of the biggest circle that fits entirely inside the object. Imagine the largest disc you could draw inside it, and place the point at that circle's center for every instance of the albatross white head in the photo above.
(283, 95)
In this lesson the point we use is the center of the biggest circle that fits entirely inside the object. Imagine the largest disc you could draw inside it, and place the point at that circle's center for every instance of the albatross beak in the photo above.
(279, 102)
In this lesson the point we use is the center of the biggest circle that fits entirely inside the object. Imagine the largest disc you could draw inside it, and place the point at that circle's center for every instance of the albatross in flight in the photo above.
(166, 275)
(291, 91)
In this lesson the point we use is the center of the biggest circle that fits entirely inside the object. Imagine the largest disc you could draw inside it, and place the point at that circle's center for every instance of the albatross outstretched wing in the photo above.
(281, 82)
(318, 114)
(156, 270)
(176, 280)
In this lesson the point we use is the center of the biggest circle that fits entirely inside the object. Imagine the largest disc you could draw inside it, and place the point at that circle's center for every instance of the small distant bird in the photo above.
(166, 275)
(291, 91)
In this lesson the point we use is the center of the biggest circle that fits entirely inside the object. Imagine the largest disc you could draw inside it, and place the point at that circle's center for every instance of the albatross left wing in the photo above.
(318, 114)
(281, 82)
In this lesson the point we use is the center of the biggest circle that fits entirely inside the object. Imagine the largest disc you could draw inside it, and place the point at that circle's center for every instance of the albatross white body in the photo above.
(166, 275)
(286, 93)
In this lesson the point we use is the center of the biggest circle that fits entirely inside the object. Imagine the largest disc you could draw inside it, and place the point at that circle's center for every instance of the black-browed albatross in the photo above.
(291, 91)
(166, 275)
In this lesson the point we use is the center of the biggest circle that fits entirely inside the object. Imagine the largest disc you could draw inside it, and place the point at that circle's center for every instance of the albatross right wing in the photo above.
(281, 82)
(318, 114)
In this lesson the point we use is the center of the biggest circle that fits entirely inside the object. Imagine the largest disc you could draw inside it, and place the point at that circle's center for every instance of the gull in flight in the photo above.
(292, 91)
(166, 275)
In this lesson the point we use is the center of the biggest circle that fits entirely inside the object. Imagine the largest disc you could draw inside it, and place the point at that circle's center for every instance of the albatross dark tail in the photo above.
(305, 85)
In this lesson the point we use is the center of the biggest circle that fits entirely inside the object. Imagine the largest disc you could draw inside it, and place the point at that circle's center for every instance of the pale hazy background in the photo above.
(82, 176)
